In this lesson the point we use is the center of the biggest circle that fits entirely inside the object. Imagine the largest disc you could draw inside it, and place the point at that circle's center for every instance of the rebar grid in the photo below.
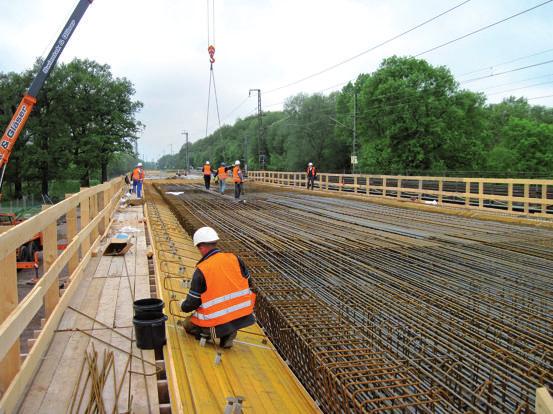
(460, 308)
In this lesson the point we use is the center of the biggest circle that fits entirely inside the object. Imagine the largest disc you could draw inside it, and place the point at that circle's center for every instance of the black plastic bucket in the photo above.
(149, 329)
(145, 306)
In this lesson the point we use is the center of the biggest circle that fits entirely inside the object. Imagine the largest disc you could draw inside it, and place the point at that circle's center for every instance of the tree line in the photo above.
(82, 126)
(409, 118)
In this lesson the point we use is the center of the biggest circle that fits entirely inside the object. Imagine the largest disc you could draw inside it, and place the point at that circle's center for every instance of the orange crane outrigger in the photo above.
(26, 105)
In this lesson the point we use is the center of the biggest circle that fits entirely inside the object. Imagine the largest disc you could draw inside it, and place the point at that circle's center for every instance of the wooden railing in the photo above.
(512, 195)
(96, 206)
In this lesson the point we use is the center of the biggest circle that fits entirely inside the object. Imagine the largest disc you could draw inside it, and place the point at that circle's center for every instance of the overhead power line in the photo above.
(521, 87)
(539, 97)
(491, 67)
(483, 28)
(506, 71)
(370, 49)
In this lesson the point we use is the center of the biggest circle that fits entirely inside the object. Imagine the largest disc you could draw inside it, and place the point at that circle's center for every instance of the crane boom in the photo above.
(26, 105)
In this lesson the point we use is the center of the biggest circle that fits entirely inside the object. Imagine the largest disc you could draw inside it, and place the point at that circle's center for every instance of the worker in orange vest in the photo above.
(311, 174)
(222, 175)
(206, 169)
(138, 176)
(238, 179)
(220, 295)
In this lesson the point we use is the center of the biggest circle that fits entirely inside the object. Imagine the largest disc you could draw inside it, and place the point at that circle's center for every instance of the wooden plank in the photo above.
(12, 328)
(85, 219)
(49, 256)
(10, 363)
(71, 220)
(544, 401)
(526, 196)
(51, 368)
(440, 191)
(16, 391)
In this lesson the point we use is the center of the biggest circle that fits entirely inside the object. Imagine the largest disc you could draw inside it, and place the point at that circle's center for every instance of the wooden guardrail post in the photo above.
(71, 219)
(355, 184)
(420, 190)
(526, 196)
(544, 198)
(467, 194)
(384, 187)
(440, 191)
(85, 219)
(510, 196)
(398, 193)
(480, 194)
(101, 204)
(9, 366)
(93, 214)
(49, 255)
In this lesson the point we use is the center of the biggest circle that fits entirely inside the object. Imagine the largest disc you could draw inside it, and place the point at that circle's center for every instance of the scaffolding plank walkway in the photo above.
(208, 379)
(106, 294)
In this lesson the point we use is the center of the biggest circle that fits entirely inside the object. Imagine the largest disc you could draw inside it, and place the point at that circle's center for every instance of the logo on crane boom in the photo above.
(13, 127)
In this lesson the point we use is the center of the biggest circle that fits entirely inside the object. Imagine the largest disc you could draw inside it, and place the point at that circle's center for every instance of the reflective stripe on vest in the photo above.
(222, 173)
(228, 296)
(223, 312)
(225, 298)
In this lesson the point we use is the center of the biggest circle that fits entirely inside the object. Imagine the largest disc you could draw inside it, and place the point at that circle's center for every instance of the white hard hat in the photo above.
(207, 162)
(139, 164)
(236, 162)
(205, 235)
(310, 163)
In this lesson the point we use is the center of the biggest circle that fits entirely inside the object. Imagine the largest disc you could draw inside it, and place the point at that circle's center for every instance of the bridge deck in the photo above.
(251, 370)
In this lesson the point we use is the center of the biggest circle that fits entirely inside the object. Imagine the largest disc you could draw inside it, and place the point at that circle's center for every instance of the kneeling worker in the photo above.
(219, 292)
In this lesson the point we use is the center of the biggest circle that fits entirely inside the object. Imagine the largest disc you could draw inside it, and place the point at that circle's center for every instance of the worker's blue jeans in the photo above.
(222, 186)
(137, 188)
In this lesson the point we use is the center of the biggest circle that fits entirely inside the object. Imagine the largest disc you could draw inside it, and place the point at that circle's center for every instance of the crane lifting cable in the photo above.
(211, 52)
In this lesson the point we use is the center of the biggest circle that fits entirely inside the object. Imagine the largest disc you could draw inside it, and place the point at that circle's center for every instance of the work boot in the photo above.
(227, 341)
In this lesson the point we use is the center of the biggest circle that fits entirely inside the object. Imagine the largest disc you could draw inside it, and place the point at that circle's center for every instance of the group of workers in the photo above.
(220, 297)
(222, 174)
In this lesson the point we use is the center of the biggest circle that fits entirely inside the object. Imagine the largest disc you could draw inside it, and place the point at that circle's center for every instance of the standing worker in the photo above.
(138, 176)
(206, 169)
(219, 294)
(222, 174)
(311, 174)
(238, 178)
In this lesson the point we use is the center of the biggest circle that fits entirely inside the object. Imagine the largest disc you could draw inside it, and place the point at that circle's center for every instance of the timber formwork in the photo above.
(383, 309)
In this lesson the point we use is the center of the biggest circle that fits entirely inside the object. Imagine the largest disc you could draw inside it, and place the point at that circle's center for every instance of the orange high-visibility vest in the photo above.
(235, 176)
(313, 171)
(138, 174)
(227, 297)
(207, 169)
(222, 173)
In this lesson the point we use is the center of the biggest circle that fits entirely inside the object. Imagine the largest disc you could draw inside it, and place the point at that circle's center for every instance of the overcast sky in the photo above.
(161, 47)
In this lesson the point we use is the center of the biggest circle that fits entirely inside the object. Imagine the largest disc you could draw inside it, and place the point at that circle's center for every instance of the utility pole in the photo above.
(353, 154)
(186, 160)
(260, 134)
